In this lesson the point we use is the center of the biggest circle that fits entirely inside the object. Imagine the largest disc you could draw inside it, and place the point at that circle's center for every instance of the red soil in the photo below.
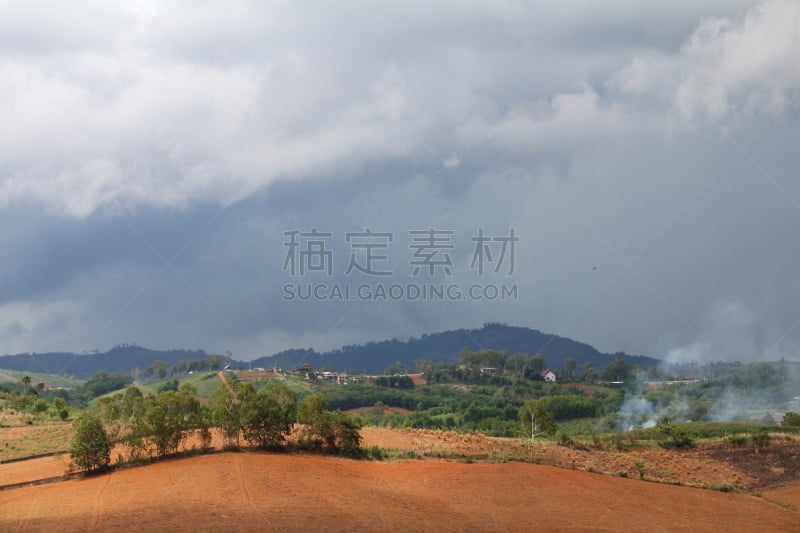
(260, 491)
(386, 412)
(588, 391)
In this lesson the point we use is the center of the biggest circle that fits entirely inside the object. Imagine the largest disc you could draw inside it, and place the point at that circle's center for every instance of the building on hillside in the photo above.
(549, 376)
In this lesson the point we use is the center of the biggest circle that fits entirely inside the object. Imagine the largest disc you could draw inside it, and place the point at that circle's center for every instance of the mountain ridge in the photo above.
(372, 357)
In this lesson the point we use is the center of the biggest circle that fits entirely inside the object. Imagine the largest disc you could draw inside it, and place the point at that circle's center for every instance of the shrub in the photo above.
(791, 419)
(90, 449)
(640, 467)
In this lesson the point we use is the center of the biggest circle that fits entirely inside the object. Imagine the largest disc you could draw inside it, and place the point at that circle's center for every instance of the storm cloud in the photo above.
(154, 156)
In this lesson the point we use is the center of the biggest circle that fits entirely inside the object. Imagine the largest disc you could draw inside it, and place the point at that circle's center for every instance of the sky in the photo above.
(257, 176)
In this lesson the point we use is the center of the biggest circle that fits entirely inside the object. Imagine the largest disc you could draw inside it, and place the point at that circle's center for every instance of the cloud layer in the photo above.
(152, 156)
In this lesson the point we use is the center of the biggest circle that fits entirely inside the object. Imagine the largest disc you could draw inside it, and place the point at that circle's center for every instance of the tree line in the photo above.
(146, 425)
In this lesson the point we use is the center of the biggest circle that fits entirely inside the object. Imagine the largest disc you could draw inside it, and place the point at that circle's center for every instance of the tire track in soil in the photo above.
(249, 496)
(97, 501)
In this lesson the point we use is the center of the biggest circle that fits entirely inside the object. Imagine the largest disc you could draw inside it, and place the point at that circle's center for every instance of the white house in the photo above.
(549, 376)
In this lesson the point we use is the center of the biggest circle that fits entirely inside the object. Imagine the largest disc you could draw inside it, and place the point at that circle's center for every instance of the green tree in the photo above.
(26, 380)
(170, 418)
(268, 415)
(90, 449)
(791, 419)
(348, 437)
(536, 421)
(227, 410)
(588, 374)
(397, 368)
(537, 365)
(102, 382)
(618, 370)
(518, 361)
(60, 406)
(570, 366)
(422, 365)
(337, 431)
(158, 368)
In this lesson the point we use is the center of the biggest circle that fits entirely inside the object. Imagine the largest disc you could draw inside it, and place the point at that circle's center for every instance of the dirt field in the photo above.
(263, 492)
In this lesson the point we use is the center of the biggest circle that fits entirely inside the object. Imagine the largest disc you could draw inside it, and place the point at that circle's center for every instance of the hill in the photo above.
(375, 357)
(372, 357)
(259, 492)
(120, 359)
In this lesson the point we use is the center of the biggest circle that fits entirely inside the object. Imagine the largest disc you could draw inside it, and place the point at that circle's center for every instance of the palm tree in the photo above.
(27, 382)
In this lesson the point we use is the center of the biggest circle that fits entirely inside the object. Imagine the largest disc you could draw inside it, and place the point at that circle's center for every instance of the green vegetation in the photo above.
(160, 423)
(336, 431)
(488, 392)
(91, 448)
(791, 419)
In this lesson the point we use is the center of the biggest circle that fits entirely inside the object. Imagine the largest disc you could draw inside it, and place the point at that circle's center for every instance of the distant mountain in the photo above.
(375, 357)
(121, 359)
(372, 357)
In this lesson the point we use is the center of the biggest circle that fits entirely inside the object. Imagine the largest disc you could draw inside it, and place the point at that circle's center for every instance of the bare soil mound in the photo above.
(262, 492)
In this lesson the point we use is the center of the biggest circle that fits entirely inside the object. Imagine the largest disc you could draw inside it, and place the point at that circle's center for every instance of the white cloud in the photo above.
(728, 69)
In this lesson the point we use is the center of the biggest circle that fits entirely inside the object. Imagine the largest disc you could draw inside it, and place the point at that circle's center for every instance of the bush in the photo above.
(90, 449)
(678, 437)
(40, 406)
(791, 419)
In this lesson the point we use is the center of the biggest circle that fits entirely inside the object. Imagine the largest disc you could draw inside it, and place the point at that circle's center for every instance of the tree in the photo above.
(535, 420)
(26, 380)
(170, 418)
(269, 415)
(570, 365)
(517, 362)
(791, 419)
(483, 359)
(346, 429)
(103, 382)
(338, 431)
(226, 406)
(397, 368)
(159, 368)
(60, 406)
(422, 365)
(537, 365)
(618, 370)
(588, 373)
(90, 449)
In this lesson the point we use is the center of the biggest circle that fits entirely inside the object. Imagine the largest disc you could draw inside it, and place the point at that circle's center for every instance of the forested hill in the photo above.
(375, 357)
(120, 359)
(372, 357)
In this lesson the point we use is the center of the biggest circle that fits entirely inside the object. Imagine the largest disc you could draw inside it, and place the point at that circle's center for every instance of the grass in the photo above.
(51, 380)
(34, 440)
(205, 383)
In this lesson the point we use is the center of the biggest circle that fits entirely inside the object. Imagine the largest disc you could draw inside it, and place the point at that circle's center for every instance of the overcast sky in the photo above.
(156, 156)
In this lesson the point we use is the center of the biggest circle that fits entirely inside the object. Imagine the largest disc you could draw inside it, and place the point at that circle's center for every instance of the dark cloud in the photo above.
(152, 158)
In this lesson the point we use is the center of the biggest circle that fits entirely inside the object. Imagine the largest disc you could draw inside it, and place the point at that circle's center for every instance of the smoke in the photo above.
(758, 391)
(731, 331)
